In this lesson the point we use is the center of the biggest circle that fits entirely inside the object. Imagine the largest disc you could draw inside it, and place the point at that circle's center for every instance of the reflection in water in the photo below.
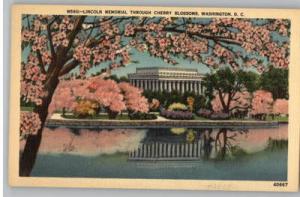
(167, 151)
(159, 144)
(178, 153)
(195, 144)
(207, 140)
(89, 142)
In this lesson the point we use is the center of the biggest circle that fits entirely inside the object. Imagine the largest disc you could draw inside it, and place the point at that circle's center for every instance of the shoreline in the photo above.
(159, 123)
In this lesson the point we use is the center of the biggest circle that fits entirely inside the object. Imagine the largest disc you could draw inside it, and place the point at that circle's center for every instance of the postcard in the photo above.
(154, 98)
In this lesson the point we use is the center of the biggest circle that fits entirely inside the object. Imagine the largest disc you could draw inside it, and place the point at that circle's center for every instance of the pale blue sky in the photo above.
(145, 60)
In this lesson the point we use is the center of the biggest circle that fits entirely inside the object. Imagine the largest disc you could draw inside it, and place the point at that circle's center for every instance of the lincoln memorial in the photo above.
(168, 79)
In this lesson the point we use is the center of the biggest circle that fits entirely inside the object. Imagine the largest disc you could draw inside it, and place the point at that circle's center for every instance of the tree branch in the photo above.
(56, 66)
(239, 107)
(210, 37)
(53, 54)
(222, 99)
(39, 56)
(68, 67)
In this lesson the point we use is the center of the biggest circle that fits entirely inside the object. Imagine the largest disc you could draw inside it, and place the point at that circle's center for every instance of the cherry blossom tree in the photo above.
(112, 96)
(64, 97)
(134, 100)
(55, 45)
(281, 106)
(108, 94)
(262, 102)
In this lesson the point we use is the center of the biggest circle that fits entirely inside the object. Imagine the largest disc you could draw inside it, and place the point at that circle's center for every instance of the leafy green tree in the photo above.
(124, 79)
(226, 83)
(118, 79)
(275, 80)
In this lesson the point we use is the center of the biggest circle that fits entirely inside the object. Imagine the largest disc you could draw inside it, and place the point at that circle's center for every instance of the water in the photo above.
(176, 153)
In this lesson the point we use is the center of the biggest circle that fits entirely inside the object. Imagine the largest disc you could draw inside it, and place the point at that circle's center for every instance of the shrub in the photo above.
(219, 116)
(190, 101)
(85, 108)
(177, 115)
(206, 113)
(154, 105)
(177, 107)
(141, 116)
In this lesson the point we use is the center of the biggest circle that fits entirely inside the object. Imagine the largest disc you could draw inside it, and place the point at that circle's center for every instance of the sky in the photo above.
(145, 60)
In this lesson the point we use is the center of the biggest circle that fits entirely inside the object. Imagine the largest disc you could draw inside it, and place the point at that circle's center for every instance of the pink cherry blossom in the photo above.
(30, 123)
(133, 98)
(262, 102)
(280, 106)
(32, 82)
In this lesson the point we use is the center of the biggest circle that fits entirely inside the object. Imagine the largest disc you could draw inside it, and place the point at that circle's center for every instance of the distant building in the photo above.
(168, 79)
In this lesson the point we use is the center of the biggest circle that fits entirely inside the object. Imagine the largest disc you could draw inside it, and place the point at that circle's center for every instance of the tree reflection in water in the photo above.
(226, 144)
(219, 144)
(163, 143)
(207, 143)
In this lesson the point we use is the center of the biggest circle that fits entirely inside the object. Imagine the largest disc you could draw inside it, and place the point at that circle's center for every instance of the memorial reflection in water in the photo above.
(183, 144)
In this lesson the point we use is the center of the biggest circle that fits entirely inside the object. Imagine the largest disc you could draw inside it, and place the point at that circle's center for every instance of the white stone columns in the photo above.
(161, 86)
(173, 85)
(191, 150)
(160, 152)
(186, 150)
(197, 87)
(177, 150)
(169, 86)
(182, 86)
(152, 150)
(194, 86)
(142, 84)
(186, 86)
(146, 84)
(168, 150)
(152, 85)
(156, 149)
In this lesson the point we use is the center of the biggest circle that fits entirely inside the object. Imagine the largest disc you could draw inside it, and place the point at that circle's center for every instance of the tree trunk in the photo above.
(223, 149)
(28, 156)
(33, 142)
